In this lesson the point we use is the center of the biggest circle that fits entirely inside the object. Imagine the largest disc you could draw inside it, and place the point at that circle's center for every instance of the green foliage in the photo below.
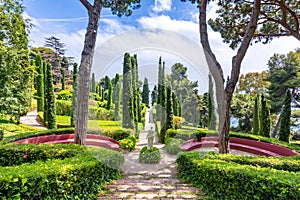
(68, 173)
(63, 107)
(154, 95)
(149, 156)
(127, 91)
(143, 113)
(285, 124)
(64, 95)
(169, 109)
(265, 118)
(104, 114)
(62, 79)
(256, 127)
(173, 146)
(39, 83)
(51, 111)
(178, 121)
(93, 84)
(117, 96)
(118, 134)
(109, 101)
(207, 171)
(145, 93)
(1, 134)
(128, 143)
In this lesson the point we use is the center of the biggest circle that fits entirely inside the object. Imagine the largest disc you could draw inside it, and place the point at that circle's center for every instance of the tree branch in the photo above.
(86, 4)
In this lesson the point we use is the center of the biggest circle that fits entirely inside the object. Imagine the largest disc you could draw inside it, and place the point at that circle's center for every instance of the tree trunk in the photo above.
(276, 128)
(224, 96)
(85, 70)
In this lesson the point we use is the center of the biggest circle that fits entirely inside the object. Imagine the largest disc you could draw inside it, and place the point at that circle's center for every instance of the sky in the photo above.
(167, 28)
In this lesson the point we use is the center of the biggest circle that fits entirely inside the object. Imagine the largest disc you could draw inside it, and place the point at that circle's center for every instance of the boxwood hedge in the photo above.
(222, 178)
(76, 172)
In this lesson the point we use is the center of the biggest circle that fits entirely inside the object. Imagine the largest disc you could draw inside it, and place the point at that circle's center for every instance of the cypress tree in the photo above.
(93, 84)
(45, 93)
(62, 79)
(159, 90)
(117, 94)
(97, 88)
(163, 97)
(255, 129)
(109, 97)
(74, 95)
(285, 124)
(265, 118)
(154, 96)
(145, 93)
(126, 93)
(134, 113)
(106, 82)
(51, 112)
(175, 104)
(212, 118)
(39, 83)
(169, 109)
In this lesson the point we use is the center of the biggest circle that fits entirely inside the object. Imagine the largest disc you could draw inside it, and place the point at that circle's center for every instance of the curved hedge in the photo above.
(76, 172)
(230, 177)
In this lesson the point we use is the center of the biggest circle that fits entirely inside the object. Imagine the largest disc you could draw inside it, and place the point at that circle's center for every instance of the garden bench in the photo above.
(251, 146)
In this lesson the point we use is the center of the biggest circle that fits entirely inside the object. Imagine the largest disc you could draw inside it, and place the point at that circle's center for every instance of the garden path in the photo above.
(150, 181)
(32, 119)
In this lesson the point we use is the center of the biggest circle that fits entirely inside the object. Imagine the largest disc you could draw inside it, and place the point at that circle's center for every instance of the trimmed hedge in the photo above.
(222, 179)
(79, 176)
(148, 156)
(173, 146)
(128, 143)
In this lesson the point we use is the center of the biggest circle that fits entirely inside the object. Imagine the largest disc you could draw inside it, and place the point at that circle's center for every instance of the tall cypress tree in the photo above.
(145, 93)
(39, 83)
(159, 90)
(255, 127)
(62, 79)
(265, 118)
(45, 93)
(51, 112)
(154, 96)
(109, 97)
(163, 97)
(212, 118)
(74, 95)
(169, 108)
(175, 104)
(93, 83)
(134, 89)
(126, 93)
(117, 94)
(285, 125)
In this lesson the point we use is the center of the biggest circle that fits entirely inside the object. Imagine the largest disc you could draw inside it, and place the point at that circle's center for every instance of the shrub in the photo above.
(149, 156)
(118, 134)
(128, 143)
(72, 177)
(63, 107)
(171, 133)
(104, 114)
(95, 96)
(178, 121)
(173, 146)
(209, 170)
(65, 95)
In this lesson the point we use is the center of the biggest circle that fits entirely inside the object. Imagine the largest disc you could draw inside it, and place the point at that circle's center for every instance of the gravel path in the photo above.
(32, 119)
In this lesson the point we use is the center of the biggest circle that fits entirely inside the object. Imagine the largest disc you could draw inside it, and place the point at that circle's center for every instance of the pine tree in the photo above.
(212, 118)
(39, 83)
(126, 93)
(117, 94)
(51, 112)
(145, 93)
(93, 83)
(285, 125)
(109, 102)
(265, 118)
(256, 128)
(74, 95)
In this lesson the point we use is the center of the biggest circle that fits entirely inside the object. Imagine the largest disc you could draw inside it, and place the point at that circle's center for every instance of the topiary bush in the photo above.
(65, 95)
(148, 156)
(77, 172)
(173, 146)
(128, 143)
(118, 134)
(260, 180)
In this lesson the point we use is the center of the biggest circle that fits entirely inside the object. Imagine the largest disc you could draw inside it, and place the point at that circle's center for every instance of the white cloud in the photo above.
(162, 5)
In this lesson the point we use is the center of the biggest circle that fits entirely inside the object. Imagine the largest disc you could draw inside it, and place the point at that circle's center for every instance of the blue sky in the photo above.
(167, 28)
